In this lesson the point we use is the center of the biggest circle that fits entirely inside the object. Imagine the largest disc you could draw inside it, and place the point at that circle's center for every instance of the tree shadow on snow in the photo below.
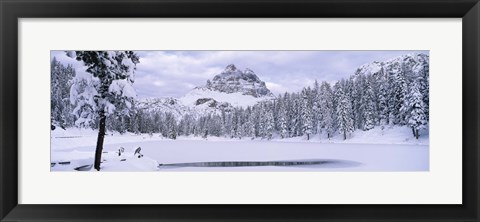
(313, 163)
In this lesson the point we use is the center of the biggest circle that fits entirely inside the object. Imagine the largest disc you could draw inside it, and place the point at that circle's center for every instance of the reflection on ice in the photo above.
(315, 163)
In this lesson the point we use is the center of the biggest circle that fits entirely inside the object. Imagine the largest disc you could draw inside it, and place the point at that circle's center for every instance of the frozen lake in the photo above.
(195, 154)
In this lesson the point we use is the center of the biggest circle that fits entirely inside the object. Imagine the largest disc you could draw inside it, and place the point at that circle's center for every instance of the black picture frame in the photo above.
(12, 10)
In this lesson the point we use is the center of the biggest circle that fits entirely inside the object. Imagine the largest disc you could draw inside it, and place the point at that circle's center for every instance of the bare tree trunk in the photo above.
(308, 136)
(416, 134)
(344, 135)
(101, 137)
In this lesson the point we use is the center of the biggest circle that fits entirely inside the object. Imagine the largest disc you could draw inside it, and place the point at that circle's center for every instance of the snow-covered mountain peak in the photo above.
(249, 72)
(232, 87)
(233, 80)
(228, 89)
(411, 61)
(230, 69)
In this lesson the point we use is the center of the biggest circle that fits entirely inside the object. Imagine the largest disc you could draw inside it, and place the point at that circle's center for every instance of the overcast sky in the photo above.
(174, 73)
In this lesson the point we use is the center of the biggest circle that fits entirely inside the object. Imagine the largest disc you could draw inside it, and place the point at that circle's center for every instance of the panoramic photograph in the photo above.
(245, 111)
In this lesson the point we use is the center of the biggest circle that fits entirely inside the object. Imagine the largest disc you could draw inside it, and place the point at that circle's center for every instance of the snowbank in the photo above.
(377, 135)
(111, 161)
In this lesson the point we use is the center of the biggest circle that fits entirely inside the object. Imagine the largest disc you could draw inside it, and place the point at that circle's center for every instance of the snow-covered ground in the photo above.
(391, 149)
(235, 99)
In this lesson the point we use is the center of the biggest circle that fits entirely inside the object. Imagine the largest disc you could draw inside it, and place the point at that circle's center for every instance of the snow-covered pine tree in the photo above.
(291, 118)
(383, 111)
(327, 109)
(163, 125)
(356, 97)
(414, 108)
(182, 127)
(316, 111)
(234, 124)
(157, 121)
(344, 115)
(296, 115)
(112, 91)
(282, 119)
(171, 125)
(188, 123)
(369, 107)
(262, 120)
(199, 127)
(223, 129)
(61, 81)
(206, 126)
(117, 123)
(147, 124)
(256, 120)
(82, 94)
(67, 116)
(275, 109)
(423, 73)
(250, 124)
(306, 114)
(240, 123)
(269, 124)
(214, 126)
(134, 123)
(399, 86)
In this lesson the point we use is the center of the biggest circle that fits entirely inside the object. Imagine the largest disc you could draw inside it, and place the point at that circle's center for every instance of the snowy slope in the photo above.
(235, 99)
(168, 104)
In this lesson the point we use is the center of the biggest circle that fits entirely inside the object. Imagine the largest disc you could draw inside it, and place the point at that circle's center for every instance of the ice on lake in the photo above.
(196, 154)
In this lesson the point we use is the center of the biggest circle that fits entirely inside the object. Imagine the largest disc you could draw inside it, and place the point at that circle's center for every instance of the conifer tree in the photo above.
(327, 109)
(344, 115)
(60, 82)
(369, 108)
(306, 114)
(112, 75)
(415, 109)
(269, 124)
(316, 110)
(383, 111)
(282, 120)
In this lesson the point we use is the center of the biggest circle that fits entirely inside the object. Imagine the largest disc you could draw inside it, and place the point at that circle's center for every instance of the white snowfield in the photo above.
(235, 99)
(188, 103)
(393, 149)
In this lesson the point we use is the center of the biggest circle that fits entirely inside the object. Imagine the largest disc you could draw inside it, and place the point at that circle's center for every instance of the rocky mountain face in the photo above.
(410, 63)
(230, 88)
(233, 80)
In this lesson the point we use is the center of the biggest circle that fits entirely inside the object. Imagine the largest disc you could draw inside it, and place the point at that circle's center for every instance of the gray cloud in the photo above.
(174, 73)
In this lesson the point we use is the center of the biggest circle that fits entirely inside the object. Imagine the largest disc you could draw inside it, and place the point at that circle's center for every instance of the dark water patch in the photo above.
(321, 163)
